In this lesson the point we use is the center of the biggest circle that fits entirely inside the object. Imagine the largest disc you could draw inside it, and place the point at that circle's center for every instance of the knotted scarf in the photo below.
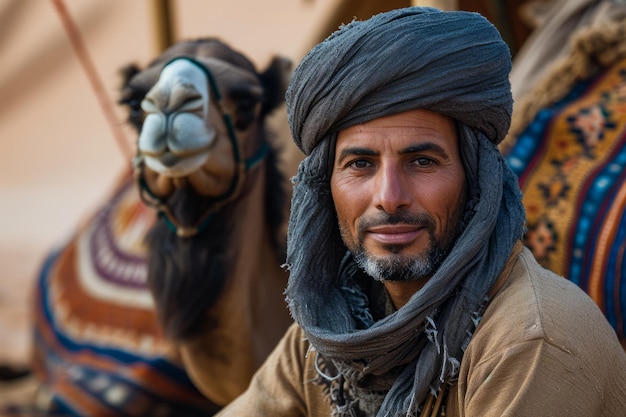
(454, 63)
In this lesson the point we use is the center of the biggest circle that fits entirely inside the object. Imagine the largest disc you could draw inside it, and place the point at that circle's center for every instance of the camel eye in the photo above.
(246, 104)
(134, 104)
(245, 108)
(132, 101)
(245, 100)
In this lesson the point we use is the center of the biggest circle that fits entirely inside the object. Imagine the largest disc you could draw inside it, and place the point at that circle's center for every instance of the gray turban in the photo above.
(402, 60)
(454, 63)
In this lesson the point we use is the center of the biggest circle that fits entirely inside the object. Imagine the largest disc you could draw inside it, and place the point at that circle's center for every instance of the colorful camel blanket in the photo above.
(571, 163)
(98, 347)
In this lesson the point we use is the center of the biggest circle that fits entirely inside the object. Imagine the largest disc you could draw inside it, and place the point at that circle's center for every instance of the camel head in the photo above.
(199, 110)
(203, 160)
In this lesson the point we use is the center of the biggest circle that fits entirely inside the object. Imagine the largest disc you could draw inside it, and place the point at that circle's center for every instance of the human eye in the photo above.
(423, 162)
(359, 164)
(356, 159)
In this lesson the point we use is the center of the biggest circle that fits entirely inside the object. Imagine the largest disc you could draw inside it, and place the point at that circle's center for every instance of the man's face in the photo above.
(398, 185)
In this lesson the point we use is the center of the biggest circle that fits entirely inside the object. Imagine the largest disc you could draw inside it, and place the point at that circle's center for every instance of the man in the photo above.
(410, 289)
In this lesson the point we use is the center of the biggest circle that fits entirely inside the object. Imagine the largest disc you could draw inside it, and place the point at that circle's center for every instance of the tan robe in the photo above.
(543, 348)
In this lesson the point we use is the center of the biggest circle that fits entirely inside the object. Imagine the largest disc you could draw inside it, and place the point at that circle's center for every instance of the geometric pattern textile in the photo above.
(571, 164)
(98, 347)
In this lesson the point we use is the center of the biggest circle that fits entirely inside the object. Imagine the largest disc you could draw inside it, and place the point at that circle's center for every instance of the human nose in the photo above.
(391, 190)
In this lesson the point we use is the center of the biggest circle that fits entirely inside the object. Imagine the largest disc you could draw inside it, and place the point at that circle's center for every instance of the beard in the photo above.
(398, 267)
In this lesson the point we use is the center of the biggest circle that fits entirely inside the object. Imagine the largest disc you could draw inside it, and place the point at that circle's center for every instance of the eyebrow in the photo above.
(426, 146)
(353, 150)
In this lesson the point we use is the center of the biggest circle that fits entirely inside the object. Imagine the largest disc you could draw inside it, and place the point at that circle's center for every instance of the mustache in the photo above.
(418, 219)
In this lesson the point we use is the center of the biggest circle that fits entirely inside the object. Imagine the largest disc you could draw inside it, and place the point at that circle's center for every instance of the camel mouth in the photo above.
(176, 166)
(169, 160)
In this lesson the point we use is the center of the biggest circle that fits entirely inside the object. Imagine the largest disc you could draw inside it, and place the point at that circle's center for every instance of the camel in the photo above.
(169, 298)
(205, 164)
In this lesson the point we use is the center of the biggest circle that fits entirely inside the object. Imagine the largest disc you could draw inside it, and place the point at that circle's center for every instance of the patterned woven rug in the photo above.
(98, 350)
(571, 163)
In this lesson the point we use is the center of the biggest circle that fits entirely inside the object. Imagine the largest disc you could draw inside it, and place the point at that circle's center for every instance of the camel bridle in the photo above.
(242, 166)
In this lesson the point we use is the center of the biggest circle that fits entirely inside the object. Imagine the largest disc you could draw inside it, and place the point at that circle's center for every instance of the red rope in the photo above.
(96, 84)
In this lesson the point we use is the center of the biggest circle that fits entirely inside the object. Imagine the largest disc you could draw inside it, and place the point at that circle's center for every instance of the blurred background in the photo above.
(60, 153)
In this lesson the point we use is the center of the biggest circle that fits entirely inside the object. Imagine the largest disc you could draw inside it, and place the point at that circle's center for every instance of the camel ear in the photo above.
(275, 80)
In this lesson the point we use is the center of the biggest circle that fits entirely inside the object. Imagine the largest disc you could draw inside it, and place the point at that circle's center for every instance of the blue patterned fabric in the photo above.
(571, 164)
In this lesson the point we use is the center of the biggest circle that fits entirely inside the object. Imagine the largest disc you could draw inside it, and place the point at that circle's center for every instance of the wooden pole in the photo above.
(439, 4)
(93, 77)
(164, 28)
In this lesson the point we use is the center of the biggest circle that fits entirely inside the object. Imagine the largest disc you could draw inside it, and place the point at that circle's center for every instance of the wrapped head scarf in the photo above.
(454, 63)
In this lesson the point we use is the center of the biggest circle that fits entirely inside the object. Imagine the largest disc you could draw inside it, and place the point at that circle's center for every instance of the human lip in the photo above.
(395, 233)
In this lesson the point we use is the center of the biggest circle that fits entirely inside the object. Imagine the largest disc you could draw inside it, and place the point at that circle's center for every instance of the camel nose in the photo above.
(177, 107)
(182, 87)
(175, 137)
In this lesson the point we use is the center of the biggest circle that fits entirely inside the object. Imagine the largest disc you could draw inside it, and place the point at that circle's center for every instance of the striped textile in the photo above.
(571, 163)
(98, 348)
